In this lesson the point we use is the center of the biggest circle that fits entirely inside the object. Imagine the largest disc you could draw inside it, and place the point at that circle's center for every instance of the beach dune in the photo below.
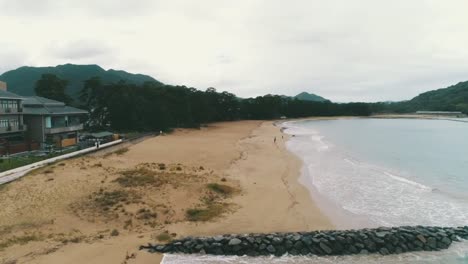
(244, 153)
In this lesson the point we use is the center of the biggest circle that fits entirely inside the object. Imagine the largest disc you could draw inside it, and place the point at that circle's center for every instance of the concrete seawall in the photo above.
(381, 240)
(14, 174)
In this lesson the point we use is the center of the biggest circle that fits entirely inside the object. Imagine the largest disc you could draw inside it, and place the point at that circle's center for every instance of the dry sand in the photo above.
(56, 214)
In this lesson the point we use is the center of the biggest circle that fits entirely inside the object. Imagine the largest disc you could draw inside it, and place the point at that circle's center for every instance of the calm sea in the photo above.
(379, 172)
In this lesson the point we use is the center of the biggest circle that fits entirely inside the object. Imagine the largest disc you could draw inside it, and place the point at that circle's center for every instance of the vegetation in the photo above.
(21, 240)
(106, 199)
(114, 232)
(15, 162)
(221, 188)
(165, 236)
(125, 102)
(453, 98)
(52, 87)
(121, 151)
(155, 106)
(205, 214)
(310, 97)
(23, 79)
(138, 177)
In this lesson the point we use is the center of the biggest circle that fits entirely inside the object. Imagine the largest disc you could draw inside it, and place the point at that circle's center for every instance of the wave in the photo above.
(401, 179)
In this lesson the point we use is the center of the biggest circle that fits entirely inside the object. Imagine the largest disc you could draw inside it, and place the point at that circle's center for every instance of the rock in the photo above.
(421, 238)
(296, 237)
(446, 241)
(277, 240)
(234, 242)
(271, 249)
(325, 248)
(382, 234)
(432, 242)
(364, 252)
(384, 251)
(418, 243)
(218, 238)
(288, 244)
(298, 245)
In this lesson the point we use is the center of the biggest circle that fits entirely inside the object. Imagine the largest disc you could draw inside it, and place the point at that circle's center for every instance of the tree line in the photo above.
(154, 106)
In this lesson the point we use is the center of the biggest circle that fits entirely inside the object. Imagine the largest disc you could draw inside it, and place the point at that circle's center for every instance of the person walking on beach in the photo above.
(274, 140)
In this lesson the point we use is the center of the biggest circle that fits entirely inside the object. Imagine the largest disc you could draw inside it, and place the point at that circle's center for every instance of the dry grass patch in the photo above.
(205, 214)
(165, 236)
(121, 151)
(20, 240)
(138, 177)
(221, 188)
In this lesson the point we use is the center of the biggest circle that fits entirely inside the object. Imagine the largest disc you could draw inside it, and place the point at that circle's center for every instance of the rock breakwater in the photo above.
(381, 240)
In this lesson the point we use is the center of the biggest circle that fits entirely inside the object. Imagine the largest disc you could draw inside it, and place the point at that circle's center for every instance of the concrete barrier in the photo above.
(11, 175)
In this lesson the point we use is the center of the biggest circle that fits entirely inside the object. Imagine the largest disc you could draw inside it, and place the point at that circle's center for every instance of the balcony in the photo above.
(69, 128)
(13, 129)
(11, 110)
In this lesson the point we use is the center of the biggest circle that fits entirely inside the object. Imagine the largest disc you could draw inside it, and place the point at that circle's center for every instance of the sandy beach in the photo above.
(100, 208)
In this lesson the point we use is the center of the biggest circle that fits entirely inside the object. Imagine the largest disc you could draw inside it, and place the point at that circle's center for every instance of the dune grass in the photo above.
(221, 188)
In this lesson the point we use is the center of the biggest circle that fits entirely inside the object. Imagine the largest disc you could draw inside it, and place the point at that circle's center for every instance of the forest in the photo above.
(153, 106)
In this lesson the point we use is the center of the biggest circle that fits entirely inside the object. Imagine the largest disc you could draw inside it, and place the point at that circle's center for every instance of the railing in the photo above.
(69, 128)
(11, 110)
(12, 129)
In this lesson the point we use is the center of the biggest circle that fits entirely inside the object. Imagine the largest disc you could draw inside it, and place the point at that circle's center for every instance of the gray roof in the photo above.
(8, 95)
(36, 105)
(38, 100)
(53, 110)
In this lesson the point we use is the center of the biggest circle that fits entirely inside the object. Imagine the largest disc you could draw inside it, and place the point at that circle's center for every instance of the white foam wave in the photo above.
(401, 179)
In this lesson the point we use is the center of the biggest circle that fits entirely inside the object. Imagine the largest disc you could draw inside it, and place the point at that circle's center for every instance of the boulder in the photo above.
(234, 242)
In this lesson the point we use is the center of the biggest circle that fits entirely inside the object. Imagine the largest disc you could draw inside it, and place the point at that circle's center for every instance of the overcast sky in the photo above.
(359, 50)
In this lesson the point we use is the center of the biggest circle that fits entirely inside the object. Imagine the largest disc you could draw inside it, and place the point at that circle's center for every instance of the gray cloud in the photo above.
(78, 50)
(363, 50)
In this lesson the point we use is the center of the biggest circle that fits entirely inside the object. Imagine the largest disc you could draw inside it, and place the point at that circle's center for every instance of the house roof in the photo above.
(38, 100)
(8, 95)
(52, 110)
(36, 105)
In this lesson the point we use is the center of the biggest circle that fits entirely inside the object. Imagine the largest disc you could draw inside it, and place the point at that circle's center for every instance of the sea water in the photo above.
(386, 172)
(378, 172)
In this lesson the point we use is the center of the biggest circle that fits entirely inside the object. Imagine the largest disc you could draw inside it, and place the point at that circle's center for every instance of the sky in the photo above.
(360, 50)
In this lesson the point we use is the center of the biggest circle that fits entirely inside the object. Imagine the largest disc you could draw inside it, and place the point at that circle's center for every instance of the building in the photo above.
(12, 128)
(28, 123)
(52, 122)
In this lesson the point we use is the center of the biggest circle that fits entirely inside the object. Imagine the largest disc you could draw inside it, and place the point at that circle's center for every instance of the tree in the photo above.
(52, 87)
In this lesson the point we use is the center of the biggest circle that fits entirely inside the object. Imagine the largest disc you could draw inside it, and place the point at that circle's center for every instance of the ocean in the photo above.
(366, 172)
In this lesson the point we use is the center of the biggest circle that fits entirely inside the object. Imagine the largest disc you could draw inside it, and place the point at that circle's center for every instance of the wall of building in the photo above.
(3, 86)
(35, 127)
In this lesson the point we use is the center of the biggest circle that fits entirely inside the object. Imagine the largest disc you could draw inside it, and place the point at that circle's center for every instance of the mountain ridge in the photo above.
(23, 79)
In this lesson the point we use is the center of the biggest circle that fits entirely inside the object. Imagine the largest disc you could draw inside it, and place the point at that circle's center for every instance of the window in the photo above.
(3, 123)
(14, 122)
(48, 122)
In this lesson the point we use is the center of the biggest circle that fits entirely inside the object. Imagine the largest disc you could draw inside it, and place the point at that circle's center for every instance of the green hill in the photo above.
(310, 97)
(453, 98)
(22, 80)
